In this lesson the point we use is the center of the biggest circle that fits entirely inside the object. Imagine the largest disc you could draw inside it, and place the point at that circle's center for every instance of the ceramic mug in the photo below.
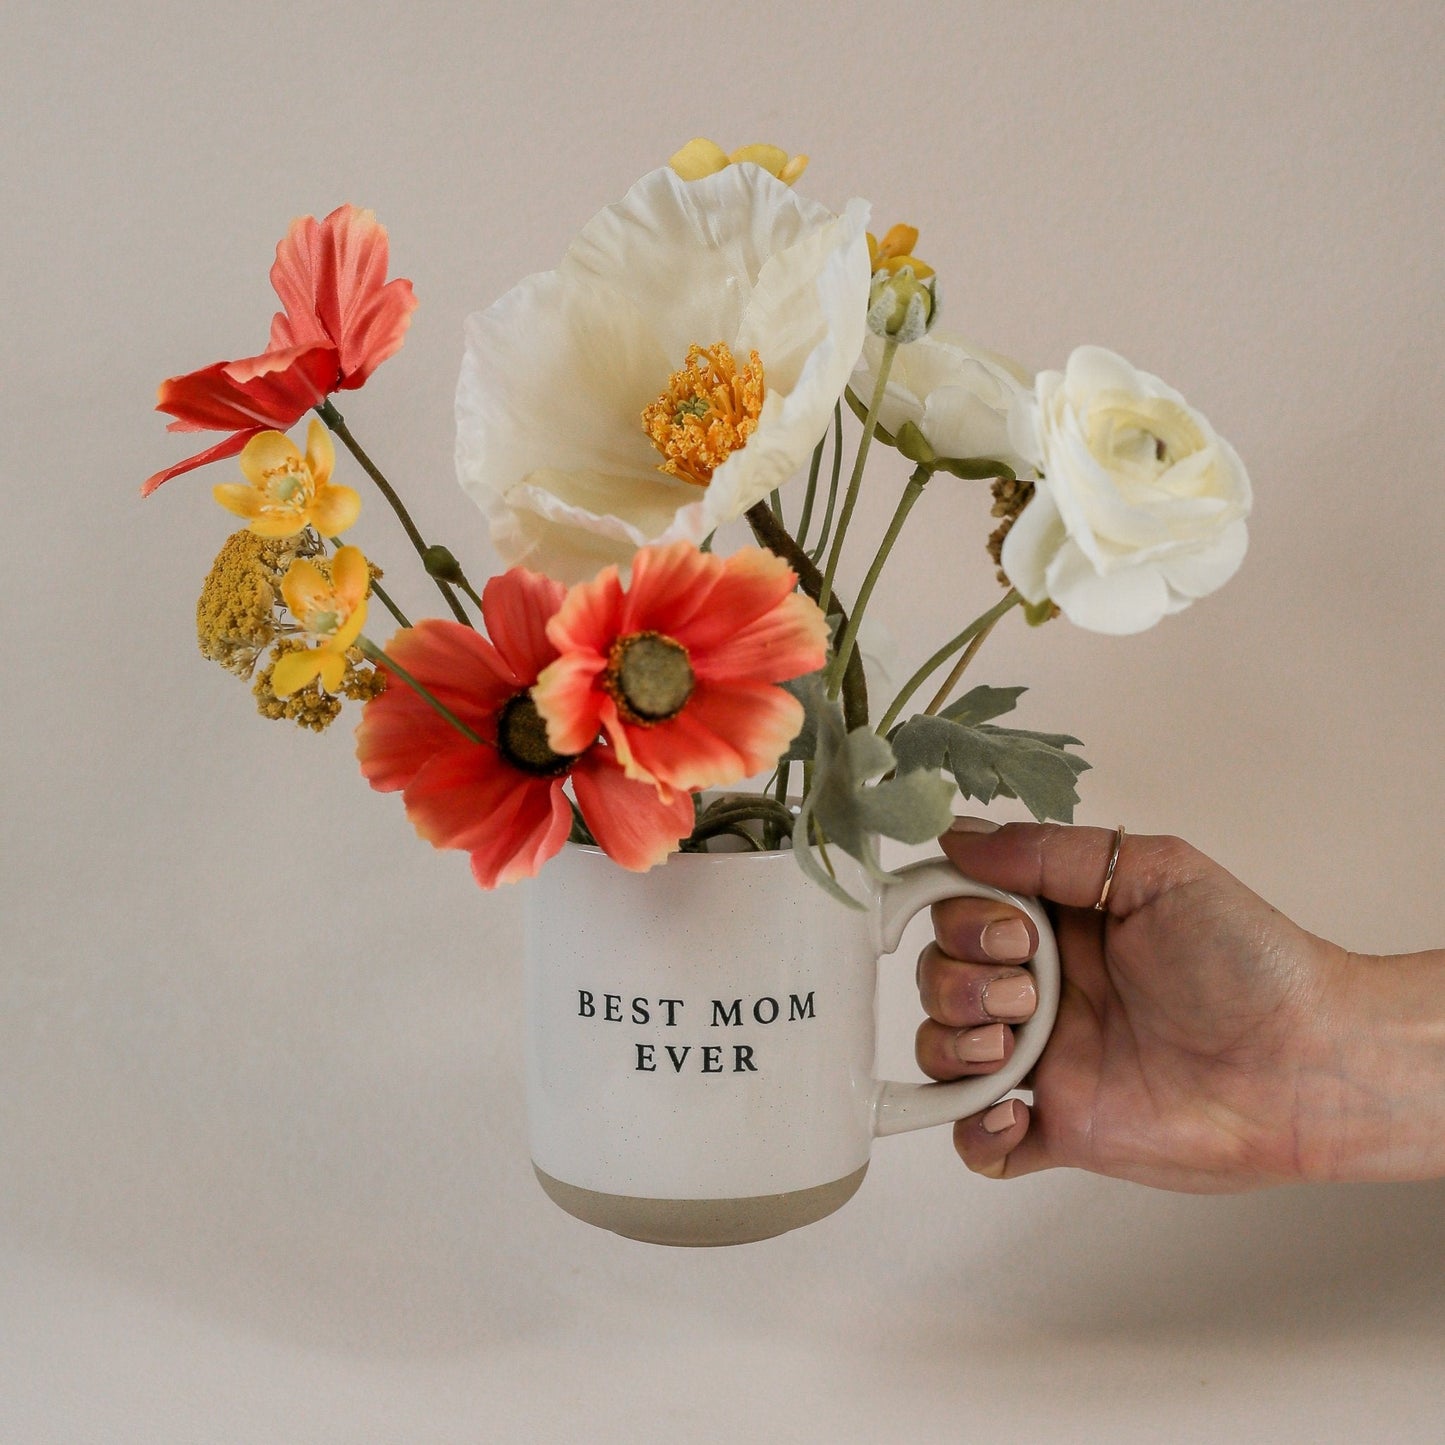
(701, 1039)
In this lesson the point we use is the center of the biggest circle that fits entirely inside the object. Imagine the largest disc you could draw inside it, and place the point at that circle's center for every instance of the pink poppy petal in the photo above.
(749, 585)
(785, 642)
(535, 838)
(468, 798)
(722, 736)
(633, 825)
(457, 665)
(570, 702)
(589, 619)
(222, 449)
(668, 586)
(516, 608)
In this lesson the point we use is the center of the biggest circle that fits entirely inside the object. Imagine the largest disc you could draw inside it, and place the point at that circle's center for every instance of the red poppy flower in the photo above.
(342, 319)
(679, 669)
(502, 799)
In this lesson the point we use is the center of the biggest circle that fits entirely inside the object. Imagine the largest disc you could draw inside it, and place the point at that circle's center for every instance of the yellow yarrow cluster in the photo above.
(236, 613)
(242, 612)
(310, 706)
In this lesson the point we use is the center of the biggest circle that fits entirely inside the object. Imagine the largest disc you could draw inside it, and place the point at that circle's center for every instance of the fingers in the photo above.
(997, 1142)
(1067, 864)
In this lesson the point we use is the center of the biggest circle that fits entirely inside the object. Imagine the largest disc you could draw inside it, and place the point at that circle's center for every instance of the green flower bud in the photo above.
(901, 308)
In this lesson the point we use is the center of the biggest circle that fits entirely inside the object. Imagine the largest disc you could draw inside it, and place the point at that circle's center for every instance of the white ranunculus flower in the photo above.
(558, 373)
(1141, 505)
(958, 395)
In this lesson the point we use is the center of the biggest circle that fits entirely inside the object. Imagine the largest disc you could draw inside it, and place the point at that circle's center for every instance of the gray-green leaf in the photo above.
(989, 762)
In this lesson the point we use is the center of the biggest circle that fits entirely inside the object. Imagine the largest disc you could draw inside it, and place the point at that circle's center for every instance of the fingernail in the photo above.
(979, 1046)
(1000, 1117)
(1006, 940)
(972, 825)
(1010, 999)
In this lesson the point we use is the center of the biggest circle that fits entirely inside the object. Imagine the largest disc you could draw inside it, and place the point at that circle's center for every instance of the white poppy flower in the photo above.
(660, 305)
(958, 395)
(1141, 506)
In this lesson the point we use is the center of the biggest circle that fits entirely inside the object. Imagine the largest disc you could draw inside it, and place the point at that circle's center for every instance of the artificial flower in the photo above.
(329, 602)
(341, 320)
(679, 669)
(958, 395)
(286, 492)
(312, 707)
(236, 611)
(699, 158)
(502, 798)
(1141, 506)
(664, 296)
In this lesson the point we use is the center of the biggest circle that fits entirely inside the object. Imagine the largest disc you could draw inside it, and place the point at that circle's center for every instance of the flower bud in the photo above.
(901, 308)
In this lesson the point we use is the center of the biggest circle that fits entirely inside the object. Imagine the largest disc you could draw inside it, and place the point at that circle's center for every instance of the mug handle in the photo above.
(899, 1107)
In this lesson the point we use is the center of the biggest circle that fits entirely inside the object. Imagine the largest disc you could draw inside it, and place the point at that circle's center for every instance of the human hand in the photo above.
(1204, 1042)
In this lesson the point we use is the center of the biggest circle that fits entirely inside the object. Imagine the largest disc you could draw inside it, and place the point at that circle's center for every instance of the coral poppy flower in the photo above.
(342, 319)
(679, 669)
(502, 799)
(285, 492)
(331, 606)
(728, 310)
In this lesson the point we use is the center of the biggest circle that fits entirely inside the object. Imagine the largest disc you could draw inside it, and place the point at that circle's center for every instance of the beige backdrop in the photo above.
(262, 1175)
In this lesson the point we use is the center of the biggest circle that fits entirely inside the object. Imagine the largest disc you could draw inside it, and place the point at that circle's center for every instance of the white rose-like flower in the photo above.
(958, 395)
(1141, 505)
(558, 373)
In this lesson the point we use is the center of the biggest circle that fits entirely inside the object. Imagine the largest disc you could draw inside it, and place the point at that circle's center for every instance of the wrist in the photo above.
(1373, 1091)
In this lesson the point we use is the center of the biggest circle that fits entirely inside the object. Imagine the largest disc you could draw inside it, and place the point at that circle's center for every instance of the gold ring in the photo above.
(1109, 874)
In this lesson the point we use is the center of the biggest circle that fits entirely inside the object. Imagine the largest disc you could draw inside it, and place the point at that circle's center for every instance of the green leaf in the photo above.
(975, 469)
(809, 691)
(846, 810)
(989, 762)
(983, 704)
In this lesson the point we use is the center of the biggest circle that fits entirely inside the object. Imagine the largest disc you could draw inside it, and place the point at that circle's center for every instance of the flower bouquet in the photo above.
(624, 685)
(686, 365)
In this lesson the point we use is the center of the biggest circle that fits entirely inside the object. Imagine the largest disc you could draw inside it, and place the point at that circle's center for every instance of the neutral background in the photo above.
(262, 1170)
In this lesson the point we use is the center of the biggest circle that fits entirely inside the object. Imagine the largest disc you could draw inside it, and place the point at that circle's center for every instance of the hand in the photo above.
(1204, 1042)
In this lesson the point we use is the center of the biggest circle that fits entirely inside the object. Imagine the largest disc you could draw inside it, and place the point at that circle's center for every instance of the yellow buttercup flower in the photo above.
(699, 158)
(284, 491)
(895, 251)
(330, 605)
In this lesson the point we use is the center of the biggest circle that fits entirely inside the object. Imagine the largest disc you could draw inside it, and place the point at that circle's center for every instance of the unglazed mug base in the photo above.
(702, 1222)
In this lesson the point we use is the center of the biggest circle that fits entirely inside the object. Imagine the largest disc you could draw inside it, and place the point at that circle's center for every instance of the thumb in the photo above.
(1068, 865)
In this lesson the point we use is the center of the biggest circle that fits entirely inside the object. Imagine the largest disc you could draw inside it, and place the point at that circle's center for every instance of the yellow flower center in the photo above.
(708, 411)
(287, 488)
(649, 677)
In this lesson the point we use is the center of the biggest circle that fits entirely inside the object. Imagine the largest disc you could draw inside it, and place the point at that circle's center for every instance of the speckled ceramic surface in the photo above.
(701, 1040)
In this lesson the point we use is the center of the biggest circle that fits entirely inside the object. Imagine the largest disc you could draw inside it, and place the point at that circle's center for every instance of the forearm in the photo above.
(1372, 1101)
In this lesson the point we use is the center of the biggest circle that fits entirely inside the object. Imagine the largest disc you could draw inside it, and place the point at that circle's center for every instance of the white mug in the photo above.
(701, 1039)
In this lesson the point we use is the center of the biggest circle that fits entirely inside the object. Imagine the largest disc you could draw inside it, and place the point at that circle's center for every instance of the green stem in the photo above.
(911, 494)
(780, 542)
(336, 423)
(855, 481)
(960, 667)
(979, 624)
(811, 495)
(371, 650)
(833, 484)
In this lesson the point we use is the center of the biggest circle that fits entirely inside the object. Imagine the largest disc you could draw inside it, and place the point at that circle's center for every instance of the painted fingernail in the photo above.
(1006, 940)
(979, 1046)
(1000, 1117)
(972, 825)
(1010, 999)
